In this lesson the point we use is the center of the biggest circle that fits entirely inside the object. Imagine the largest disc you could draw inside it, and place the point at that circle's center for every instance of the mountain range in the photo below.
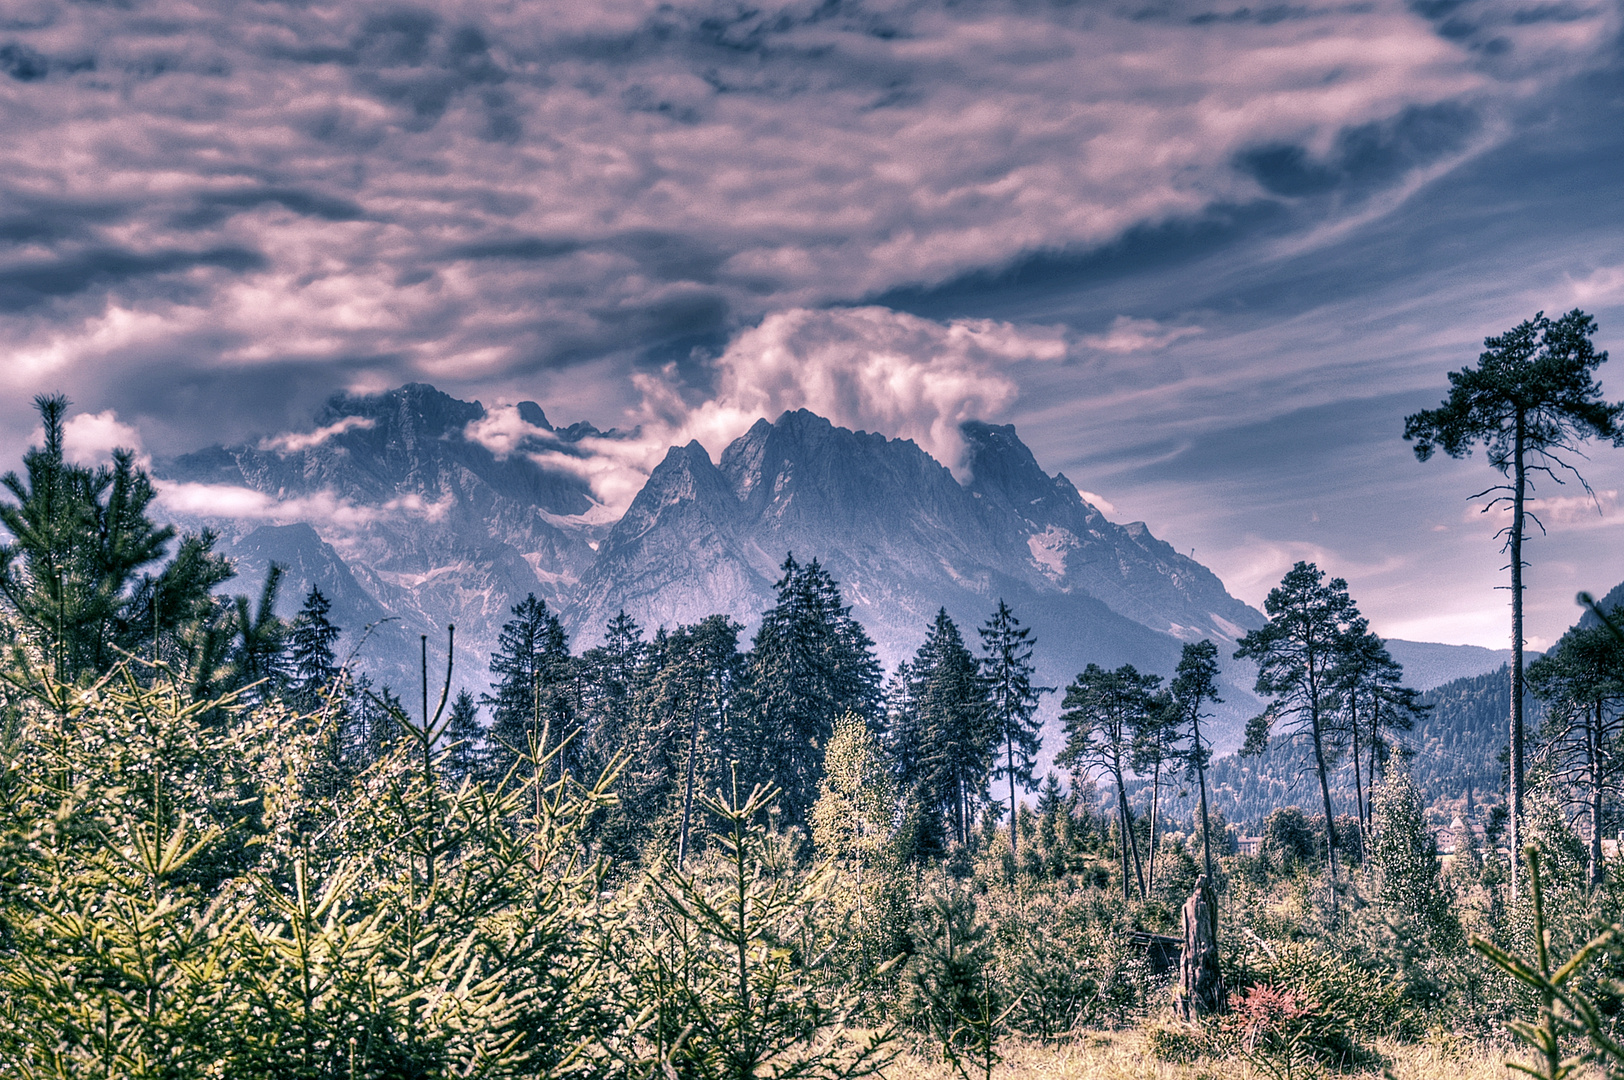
(401, 506)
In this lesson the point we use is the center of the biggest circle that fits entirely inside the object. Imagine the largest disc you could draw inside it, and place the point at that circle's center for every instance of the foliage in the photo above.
(1012, 701)
(721, 984)
(183, 909)
(810, 663)
(1565, 1012)
(530, 700)
(944, 736)
(1297, 652)
(1104, 713)
(1404, 858)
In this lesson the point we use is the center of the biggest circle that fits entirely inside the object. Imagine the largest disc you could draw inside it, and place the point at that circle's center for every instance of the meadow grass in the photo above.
(1125, 1055)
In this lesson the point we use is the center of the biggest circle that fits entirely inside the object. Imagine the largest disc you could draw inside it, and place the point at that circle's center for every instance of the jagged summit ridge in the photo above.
(901, 533)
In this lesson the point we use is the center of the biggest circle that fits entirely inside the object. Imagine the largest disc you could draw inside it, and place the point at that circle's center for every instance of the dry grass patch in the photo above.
(1126, 1056)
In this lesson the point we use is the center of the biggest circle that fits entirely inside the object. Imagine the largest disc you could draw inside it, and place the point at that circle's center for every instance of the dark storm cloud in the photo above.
(478, 190)
(29, 284)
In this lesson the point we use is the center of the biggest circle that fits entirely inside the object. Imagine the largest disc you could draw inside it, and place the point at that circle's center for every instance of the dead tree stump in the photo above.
(1201, 983)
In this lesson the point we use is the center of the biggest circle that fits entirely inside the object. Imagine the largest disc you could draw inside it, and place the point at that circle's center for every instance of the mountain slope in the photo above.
(432, 526)
(904, 537)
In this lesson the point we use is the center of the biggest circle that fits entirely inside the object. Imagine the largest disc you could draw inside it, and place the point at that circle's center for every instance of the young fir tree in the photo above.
(1404, 854)
(1006, 667)
(1530, 401)
(810, 663)
(79, 536)
(1296, 655)
(312, 639)
(1103, 710)
(531, 702)
(944, 740)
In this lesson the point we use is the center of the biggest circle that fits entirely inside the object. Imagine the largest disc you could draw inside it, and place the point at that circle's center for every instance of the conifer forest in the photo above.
(695, 853)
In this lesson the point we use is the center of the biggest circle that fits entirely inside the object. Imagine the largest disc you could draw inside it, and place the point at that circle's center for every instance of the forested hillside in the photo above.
(1455, 747)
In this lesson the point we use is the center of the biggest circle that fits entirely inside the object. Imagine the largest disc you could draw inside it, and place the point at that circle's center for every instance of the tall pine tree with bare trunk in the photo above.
(1530, 401)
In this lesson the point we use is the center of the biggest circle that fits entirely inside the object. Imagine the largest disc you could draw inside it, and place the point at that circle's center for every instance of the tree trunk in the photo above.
(1009, 745)
(1201, 983)
(688, 788)
(1132, 840)
(1325, 793)
(1155, 802)
(1122, 850)
(1358, 790)
(1516, 794)
(1593, 740)
(1201, 777)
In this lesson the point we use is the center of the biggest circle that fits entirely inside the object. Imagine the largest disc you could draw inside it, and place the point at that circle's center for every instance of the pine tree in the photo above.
(1156, 743)
(1194, 684)
(1296, 653)
(79, 536)
(1103, 710)
(1374, 699)
(1582, 683)
(1006, 666)
(533, 676)
(609, 678)
(311, 642)
(945, 739)
(258, 659)
(465, 738)
(681, 734)
(810, 663)
(1531, 399)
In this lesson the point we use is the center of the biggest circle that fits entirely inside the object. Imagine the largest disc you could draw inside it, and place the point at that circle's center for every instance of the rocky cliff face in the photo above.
(900, 533)
(398, 506)
(429, 525)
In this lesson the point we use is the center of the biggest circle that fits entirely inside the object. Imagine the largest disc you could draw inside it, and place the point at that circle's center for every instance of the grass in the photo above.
(1125, 1056)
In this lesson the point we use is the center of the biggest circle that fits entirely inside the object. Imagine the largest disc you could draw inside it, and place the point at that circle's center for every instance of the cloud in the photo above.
(324, 509)
(872, 369)
(293, 442)
(91, 438)
(1603, 286)
(503, 430)
(1130, 335)
(481, 191)
(868, 368)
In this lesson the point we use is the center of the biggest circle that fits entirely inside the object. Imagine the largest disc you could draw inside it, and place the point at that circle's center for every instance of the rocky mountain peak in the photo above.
(531, 414)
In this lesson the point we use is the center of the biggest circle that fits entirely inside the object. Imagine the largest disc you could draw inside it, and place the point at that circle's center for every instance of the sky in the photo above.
(1204, 255)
